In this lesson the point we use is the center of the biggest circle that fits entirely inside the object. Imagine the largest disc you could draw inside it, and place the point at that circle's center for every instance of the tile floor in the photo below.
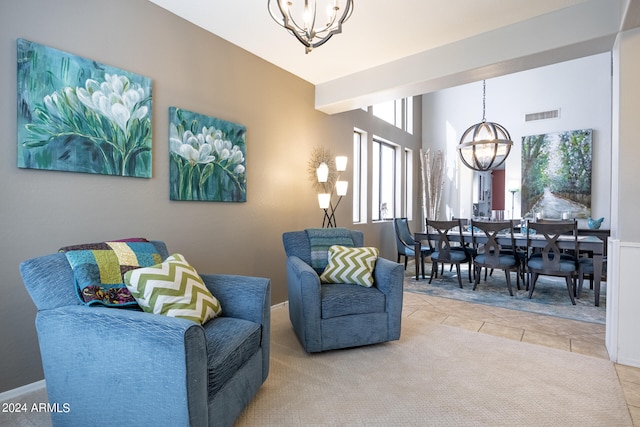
(569, 335)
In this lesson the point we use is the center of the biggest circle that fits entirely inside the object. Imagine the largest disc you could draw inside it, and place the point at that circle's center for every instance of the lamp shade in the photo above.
(324, 200)
(322, 172)
(341, 163)
(341, 188)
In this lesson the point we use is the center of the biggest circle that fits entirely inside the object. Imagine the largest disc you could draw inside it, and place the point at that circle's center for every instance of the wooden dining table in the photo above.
(590, 244)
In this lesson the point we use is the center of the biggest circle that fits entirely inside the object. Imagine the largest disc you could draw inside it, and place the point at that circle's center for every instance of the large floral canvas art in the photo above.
(207, 158)
(556, 174)
(77, 115)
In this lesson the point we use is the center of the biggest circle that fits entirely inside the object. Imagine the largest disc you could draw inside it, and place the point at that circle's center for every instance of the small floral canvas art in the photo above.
(77, 115)
(207, 158)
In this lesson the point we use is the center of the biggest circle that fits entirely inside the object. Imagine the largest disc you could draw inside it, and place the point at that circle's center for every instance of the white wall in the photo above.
(624, 246)
(581, 89)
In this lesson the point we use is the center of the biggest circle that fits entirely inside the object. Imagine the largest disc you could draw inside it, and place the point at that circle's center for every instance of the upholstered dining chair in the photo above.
(585, 269)
(442, 251)
(550, 259)
(489, 253)
(406, 244)
(339, 314)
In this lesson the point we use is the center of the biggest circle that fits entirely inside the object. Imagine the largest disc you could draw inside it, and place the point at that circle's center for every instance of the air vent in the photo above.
(543, 115)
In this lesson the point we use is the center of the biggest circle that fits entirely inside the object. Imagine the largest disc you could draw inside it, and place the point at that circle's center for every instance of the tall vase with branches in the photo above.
(432, 168)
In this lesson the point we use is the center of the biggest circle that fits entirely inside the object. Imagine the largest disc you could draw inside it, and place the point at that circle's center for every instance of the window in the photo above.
(408, 183)
(359, 177)
(383, 175)
(398, 113)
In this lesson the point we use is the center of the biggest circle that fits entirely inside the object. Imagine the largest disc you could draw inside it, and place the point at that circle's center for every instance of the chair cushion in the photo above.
(230, 343)
(173, 288)
(98, 269)
(505, 260)
(454, 256)
(350, 265)
(343, 299)
(565, 265)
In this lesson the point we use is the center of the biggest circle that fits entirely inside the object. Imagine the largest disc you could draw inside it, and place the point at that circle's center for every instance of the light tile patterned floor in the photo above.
(569, 335)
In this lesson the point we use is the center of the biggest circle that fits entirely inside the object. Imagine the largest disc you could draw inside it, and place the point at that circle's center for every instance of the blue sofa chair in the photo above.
(124, 367)
(333, 316)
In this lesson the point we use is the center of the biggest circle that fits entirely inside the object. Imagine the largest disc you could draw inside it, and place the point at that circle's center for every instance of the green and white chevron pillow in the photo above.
(350, 265)
(173, 288)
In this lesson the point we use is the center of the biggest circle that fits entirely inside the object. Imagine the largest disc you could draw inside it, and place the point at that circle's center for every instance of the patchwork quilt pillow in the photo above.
(99, 269)
(350, 265)
(173, 288)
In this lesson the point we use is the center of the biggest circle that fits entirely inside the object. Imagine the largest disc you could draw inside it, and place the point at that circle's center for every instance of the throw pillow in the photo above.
(350, 265)
(173, 288)
(98, 269)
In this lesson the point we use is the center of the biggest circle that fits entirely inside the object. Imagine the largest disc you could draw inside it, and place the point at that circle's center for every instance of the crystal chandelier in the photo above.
(308, 22)
(485, 145)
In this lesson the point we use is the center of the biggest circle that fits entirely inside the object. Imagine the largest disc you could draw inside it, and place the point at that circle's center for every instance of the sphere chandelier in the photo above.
(486, 145)
(307, 23)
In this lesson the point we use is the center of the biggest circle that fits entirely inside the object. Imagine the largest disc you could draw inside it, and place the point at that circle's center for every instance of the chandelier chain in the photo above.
(484, 100)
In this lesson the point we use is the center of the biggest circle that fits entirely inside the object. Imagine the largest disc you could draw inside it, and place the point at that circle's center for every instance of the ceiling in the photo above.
(378, 34)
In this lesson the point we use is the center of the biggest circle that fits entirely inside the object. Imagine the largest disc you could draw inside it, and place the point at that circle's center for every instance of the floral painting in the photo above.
(78, 115)
(207, 158)
(556, 174)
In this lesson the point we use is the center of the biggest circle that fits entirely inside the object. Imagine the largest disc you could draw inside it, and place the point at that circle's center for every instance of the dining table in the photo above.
(588, 244)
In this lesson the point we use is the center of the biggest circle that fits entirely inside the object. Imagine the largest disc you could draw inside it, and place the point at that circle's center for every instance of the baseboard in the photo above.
(16, 393)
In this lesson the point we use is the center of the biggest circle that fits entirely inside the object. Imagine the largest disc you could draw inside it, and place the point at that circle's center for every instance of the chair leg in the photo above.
(476, 276)
(434, 269)
(570, 288)
(406, 260)
(533, 279)
(458, 273)
(507, 274)
(580, 282)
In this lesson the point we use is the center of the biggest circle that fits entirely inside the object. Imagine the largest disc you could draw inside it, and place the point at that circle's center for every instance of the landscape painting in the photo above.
(77, 115)
(556, 175)
(207, 158)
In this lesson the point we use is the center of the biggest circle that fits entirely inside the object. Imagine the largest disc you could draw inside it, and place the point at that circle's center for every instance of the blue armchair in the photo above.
(333, 316)
(118, 366)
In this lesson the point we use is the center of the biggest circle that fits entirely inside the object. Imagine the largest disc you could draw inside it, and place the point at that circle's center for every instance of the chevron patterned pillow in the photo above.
(173, 288)
(350, 265)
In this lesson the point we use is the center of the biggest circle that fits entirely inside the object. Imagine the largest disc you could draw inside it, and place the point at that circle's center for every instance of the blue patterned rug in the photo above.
(550, 296)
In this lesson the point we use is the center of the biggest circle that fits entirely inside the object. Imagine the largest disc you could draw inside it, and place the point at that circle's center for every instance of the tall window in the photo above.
(383, 176)
(408, 183)
(359, 176)
(398, 113)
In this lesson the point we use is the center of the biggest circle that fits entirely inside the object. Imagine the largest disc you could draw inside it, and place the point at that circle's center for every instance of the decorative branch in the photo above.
(433, 179)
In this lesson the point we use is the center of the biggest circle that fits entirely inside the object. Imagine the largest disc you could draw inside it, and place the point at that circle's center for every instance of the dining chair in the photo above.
(490, 254)
(406, 244)
(585, 269)
(442, 251)
(551, 260)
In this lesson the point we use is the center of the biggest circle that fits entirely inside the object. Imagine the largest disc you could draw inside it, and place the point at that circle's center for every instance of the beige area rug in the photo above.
(434, 375)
